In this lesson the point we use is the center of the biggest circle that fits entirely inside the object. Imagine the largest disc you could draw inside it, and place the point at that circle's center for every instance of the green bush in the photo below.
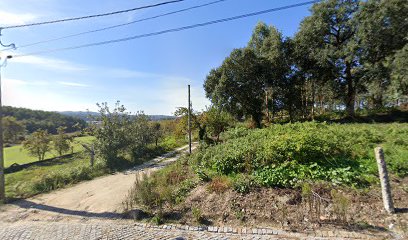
(242, 183)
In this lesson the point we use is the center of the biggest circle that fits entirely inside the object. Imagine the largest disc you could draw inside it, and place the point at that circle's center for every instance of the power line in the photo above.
(91, 16)
(121, 25)
(170, 30)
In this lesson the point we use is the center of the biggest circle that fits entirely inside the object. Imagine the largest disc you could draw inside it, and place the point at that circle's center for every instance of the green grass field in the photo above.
(16, 154)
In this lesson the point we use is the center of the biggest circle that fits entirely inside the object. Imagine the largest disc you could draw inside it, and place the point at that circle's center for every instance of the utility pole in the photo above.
(189, 121)
(2, 181)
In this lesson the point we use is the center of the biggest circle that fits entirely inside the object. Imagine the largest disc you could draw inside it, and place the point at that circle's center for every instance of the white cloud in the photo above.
(8, 18)
(19, 83)
(52, 63)
(126, 73)
(13, 82)
(73, 84)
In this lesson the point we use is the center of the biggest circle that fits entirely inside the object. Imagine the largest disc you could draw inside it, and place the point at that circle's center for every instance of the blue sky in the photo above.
(149, 74)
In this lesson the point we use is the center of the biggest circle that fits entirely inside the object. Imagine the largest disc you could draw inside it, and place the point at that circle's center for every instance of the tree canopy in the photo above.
(347, 55)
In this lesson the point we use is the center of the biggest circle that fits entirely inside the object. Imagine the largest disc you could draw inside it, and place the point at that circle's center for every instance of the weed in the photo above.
(340, 205)
(219, 184)
(197, 214)
(240, 215)
(157, 220)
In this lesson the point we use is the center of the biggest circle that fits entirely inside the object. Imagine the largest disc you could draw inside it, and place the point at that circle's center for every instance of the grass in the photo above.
(16, 154)
(27, 182)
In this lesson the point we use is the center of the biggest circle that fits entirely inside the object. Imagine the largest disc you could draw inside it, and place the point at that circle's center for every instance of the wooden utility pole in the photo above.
(385, 182)
(2, 181)
(189, 121)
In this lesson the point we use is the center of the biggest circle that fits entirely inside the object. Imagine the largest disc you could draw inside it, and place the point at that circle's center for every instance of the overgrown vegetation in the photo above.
(163, 188)
(319, 162)
(286, 155)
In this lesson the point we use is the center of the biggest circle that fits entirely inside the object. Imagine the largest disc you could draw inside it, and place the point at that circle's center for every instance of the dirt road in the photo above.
(101, 197)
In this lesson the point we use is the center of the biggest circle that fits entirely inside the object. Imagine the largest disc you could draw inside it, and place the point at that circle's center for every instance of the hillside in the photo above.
(38, 119)
(88, 116)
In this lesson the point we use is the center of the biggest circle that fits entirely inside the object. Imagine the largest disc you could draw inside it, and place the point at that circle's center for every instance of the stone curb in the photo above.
(262, 231)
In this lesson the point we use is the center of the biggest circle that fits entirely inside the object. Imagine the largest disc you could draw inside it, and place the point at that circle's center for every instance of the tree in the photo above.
(238, 86)
(139, 134)
(38, 144)
(156, 131)
(330, 34)
(112, 135)
(182, 121)
(382, 31)
(12, 129)
(121, 134)
(216, 121)
(61, 141)
(268, 43)
(399, 72)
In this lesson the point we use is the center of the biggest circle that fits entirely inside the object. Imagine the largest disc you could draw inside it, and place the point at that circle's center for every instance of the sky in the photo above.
(146, 74)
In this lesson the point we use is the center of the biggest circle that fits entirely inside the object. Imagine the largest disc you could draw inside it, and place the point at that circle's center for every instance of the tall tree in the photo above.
(238, 86)
(399, 72)
(382, 31)
(268, 43)
(331, 34)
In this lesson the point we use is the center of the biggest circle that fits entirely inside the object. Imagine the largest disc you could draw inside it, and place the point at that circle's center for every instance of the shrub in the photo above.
(242, 183)
(165, 187)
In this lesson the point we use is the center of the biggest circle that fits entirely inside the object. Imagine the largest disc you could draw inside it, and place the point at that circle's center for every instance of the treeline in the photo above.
(348, 55)
(33, 120)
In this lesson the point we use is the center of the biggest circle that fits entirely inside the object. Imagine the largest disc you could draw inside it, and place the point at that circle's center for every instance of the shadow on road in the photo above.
(32, 205)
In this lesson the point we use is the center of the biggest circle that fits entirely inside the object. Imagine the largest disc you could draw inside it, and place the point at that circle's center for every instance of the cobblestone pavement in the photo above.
(100, 231)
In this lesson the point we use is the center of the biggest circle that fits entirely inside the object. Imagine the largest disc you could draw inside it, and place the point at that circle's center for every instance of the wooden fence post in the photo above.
(385, 182)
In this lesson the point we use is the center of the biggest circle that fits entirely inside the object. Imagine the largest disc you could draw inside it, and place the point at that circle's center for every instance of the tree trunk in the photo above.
(378, 101)
(351, 92)
(313, 100)
(267, 105)
(257, 120)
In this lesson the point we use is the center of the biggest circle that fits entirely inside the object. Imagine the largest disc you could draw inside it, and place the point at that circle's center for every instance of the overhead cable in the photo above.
(90, 16)
(170, 30)
(120, 25)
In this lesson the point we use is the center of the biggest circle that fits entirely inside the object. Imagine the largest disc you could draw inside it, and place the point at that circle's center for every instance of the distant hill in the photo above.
(88, 116)
(38, 119)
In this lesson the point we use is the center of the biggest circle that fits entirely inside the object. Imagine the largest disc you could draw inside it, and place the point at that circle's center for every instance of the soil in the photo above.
(287, 209)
